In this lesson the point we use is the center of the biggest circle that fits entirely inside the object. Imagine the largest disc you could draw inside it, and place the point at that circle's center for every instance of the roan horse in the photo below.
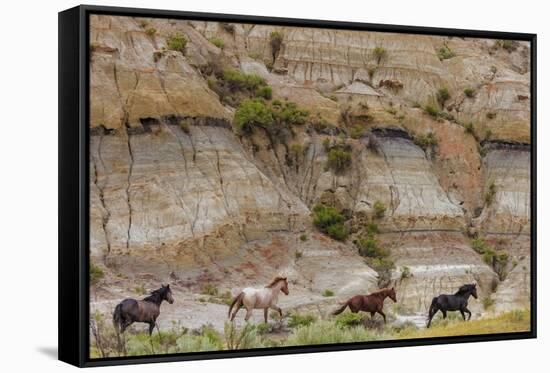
(456, 302)
(252, 298)
(372, 303)
(147, 310)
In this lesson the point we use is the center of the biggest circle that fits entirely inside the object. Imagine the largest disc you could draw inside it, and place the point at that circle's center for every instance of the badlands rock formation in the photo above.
(178, 196)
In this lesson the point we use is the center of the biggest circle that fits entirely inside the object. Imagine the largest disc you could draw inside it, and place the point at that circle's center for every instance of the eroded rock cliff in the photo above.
(437, 130)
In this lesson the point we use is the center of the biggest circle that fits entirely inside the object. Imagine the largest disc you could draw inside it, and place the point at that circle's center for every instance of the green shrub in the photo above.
(469, 92)
(368, 247)
(357, 132)
(490, 194)
(296, 320)
(443, 95)
(251, 113)
(209, 289)
(431, 111)
(96, 274)
(303, 237)
(444, 53)
(264, 92)
(326, 332)
(243, 338)
(218, 42)
(330, 221)
(349, 319)
(238, 81)
(140, 289)
(275, 41)
(469, 128)
(288, 113)
(426, 141)
(176, 42)
(405, 272)
(338, 232)
(379, 54)
(509, 45)
(497, 259)
(328, 293)
(339, 159)
(151, 31)
(488, 302)
(379, 209)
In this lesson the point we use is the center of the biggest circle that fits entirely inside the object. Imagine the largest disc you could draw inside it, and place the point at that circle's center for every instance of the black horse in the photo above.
(456, 302)
(147, 310)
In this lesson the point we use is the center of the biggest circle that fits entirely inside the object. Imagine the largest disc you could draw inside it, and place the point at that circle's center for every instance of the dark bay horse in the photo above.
(146, 310)
(456, 302)
(372, 303)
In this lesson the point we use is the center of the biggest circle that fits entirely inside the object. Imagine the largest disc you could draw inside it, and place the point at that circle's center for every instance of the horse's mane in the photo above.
(380, 292)
(155, 296)
(464, 289)
(275, 280)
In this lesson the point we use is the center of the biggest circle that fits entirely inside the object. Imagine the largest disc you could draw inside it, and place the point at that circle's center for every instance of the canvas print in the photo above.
(264, 186)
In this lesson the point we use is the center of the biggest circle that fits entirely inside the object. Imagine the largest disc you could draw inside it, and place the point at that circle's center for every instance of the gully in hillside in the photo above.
(147, 310)
(372, 303)
(267, 297)
(456, 302)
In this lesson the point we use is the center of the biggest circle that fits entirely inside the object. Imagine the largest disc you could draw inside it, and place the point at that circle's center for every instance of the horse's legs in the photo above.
(372, 314)
(431, 314)
(125, 325)
(151, 327)
(265, 315)
(468, 312)
(383, 315)
(248, 314)
(463, 316)
(237, 308)
(444, 314)
(278, 309)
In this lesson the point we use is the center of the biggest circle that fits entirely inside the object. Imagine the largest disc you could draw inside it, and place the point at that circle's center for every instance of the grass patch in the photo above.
(209, 289)
(296, 320)
(427, 141)
(444, 53)
(328, 293)
(443, 95)
(514, 321)
(469, 92)
(379, 209)
(265, 92)
(490, 194)
(96, 274)
(176, 42)
(326, 332)
(218, 42)
(379, 54)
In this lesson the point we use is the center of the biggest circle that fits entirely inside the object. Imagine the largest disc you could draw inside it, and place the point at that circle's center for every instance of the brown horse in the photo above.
(372, 303)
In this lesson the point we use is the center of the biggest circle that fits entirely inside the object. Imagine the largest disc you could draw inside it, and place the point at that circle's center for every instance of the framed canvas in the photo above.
(235, 186)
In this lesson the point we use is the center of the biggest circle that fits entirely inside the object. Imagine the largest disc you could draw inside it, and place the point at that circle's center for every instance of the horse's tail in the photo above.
(117, 317)
(341, 309)
(237, 299)
(433, 307)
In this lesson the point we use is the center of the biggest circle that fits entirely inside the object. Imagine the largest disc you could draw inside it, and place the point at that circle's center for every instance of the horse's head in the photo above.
(284, 289)
(167, 294)
(392, 295)
(473, 290)
(468, 289)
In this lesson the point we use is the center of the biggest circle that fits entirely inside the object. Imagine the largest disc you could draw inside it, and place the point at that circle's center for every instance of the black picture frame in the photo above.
(74, 186)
